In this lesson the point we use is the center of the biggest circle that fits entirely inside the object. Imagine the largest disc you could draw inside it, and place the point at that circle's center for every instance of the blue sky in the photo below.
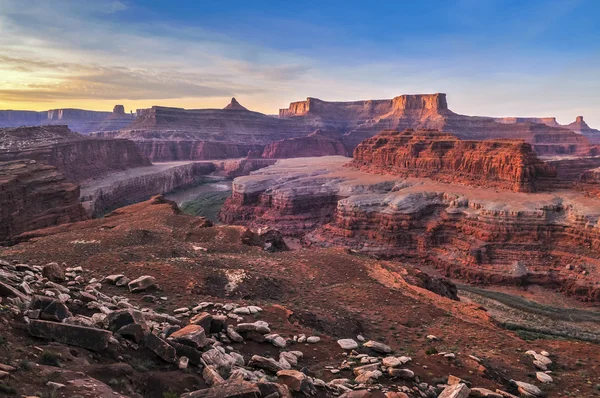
(497, 58)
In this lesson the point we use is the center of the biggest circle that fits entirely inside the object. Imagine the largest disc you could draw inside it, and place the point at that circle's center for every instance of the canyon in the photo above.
(477, 234)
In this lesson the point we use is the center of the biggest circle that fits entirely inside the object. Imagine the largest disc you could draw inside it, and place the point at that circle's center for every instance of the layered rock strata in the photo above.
(441, 156)
(76, 156)
(359, 120)
(315, 144)
(474, 233)
(121, 189)
(34, 195)
(80, 120)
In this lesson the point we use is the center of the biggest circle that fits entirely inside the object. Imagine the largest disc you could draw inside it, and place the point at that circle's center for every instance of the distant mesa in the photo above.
(235, 106)
(119, 110)
(506, 164)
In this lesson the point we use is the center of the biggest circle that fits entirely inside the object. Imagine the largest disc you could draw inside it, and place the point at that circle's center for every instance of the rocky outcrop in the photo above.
(115, 191)
(33, 196)
(80, 120)
(581, 127)
(234, 105)
(441, 156)
(315, 144)
(474, 233)
(76, 156)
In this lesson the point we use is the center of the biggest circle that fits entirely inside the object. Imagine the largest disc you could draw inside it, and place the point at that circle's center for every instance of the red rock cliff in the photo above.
(316, 144)
(33, 196)
(441, 156)
(76, 156)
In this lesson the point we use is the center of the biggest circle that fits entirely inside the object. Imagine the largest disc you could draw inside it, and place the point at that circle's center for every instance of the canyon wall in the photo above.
(478, 234)
(441, 156)
(315, 144)
(33, 196)
(98, 197)
(76, 156)
(176, 150)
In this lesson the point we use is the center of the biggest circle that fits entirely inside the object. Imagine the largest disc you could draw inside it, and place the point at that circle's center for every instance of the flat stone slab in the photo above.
(81, 336)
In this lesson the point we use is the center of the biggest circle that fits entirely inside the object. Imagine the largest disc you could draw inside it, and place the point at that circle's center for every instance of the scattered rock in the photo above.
(455, 391)
(142, 283)
(378, 347)
(81, 336)
(54, 272)
(265, 363)
(160, 347)
(348, 344)
(543, 377)
(192, 335)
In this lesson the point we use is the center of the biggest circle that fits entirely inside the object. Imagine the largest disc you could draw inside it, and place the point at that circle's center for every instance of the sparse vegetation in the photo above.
(6, 389)
(431, 351)
(206, 205)
(170, 394)
(142, 365)
(50, 358)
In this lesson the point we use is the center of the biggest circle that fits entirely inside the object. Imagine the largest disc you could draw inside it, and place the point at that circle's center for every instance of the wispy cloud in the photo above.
(136, 62)
(64, 51)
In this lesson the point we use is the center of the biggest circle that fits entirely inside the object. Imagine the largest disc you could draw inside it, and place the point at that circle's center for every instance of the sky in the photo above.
(491, 57)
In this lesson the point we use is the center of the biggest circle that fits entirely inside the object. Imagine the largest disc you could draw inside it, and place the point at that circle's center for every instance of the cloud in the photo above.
(52, 52)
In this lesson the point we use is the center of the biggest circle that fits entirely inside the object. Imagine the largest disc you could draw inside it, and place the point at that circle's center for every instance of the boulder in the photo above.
(81, 336)
(50, 308)
(54, 272)
(117, 319)
(402, 373)
(296, 381)
(543, 377)
(378, 347)
(203, 319)
(348, 344)
(455, 391)
(211, 376)
(133, 331)
(233, 335)
(192, 335)
(160, 347)
(265, 363)
(218, 359)
(528, 390)
(258, 326)
(142, 283)
(194, 356)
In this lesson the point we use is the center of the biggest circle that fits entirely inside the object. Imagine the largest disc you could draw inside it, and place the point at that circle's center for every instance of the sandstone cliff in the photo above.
(441, 156)
(356, 121)
(473, 233)
(115, 191)
(33, 196)
(76, 156)
(315, 144)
